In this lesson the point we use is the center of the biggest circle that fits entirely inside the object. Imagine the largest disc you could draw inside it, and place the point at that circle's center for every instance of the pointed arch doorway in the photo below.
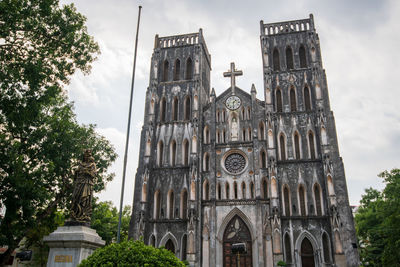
(307, 253)
(237, 232)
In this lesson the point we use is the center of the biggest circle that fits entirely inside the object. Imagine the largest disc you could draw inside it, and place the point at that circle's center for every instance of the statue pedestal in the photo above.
(69, 245)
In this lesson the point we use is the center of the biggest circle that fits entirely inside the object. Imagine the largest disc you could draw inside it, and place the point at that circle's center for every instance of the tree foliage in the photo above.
(41, 45)
(131, 253)
(105, 219)
(377, 223)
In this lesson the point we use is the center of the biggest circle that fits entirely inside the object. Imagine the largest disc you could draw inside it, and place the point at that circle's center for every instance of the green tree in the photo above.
(131, 253)
(105, 221)
(41, 46)
(377, 223)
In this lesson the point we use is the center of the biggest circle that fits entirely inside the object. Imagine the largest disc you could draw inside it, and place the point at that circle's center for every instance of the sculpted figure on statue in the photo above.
(81, 209)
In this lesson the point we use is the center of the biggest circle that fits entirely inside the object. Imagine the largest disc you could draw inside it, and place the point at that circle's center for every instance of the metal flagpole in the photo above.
(128, 130)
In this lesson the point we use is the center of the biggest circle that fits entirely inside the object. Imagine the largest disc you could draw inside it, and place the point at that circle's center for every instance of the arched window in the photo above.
(206, 188)
(157, 205)
(282, 147)
(326, 249)
(288, 250)
(217, 116)
(263, 159)
(307, 253)
(223, 115)
(187, 108)
(160, 153)
(218, 137)
(227, 196)
(184, 247)
(275, 59)
(264, 187)
(261, 131)
(165, 71)
(248, 113)
(189, 69)
(296, 145)
(279, 100)
(219, 193)
(163, 107)
(302, 55)
(243, 114)
(244, 134)
(317, 198)
(307, 99)
(177, 70)
(235, 190)
(206, 136)
(311, 145)
(186, 152)
(184, 201)
(243, 190)
(249, 134)
(173, 153)
(293, 104)
(175, 109)
(286, 200)
(224, 136)
(170, 204)
(251, 189)
(302, 200)
(206, 163)
(169, 245)
(289, 58)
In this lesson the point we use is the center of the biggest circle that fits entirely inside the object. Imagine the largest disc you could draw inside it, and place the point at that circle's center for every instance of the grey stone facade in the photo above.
(213, 168)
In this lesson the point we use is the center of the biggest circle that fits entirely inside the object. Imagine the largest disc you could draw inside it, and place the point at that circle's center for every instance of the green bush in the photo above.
(131, 253)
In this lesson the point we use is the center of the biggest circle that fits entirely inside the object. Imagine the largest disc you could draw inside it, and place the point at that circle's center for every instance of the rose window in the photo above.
(235, 163)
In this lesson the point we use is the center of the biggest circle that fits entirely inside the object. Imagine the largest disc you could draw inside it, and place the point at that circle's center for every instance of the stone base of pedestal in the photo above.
(69, 245)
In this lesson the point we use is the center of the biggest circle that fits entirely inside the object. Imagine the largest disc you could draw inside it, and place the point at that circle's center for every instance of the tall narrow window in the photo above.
(187, 108)
(217, 118)
(317, 196)
(163, 107)
(263, 159)
(265, 188)
(275, 57)
(249, 134)
(288, 250)
(261, 131)
(302, 201)
(206, 135)
(287, 200)
(302, 55)
(173, 153)
(289, 58)
(177, 70)
(251, 189)
(219, 193)
(175, 109)
(227, 196)
(297, 145)
(184, 248)
(189, 69)
(244, 134)
(235, 190)
(293, 104)
(171, 204)
(248, 113)
(206, 162)
(325, 244)
(243, 190)
(157, 204)
(312, 146)
(184, 200)
(279, 107)
(307, 100)
(186, 152)
(243, 114)
(206, 190)
(282, 147)
(153, 241)
(165, 71)
(160, 152)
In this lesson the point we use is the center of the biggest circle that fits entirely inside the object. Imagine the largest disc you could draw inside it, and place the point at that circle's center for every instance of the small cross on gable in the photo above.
(232, 73)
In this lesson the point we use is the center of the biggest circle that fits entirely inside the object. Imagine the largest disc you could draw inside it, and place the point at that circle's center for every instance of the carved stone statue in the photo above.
(234, 130)
(81, 209)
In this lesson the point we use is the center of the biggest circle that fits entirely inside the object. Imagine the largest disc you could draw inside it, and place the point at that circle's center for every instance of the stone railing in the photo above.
(287, 26)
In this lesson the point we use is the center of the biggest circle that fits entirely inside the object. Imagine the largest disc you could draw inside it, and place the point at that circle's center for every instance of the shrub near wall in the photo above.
(131, 253)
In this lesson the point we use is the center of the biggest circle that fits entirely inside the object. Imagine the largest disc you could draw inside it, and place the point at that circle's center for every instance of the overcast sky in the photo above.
(359, 42)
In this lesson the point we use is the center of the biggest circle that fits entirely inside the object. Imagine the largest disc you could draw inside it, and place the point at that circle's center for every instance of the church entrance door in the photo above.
(237, 232)
(307, 254)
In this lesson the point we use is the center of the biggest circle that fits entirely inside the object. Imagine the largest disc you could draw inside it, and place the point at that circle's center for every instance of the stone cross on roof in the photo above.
(232, 73)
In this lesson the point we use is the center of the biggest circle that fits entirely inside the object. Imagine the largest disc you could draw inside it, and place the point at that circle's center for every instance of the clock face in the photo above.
(233, 102)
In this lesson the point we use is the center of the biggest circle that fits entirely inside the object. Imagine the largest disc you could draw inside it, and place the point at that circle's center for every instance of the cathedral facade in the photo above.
(232, 180)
